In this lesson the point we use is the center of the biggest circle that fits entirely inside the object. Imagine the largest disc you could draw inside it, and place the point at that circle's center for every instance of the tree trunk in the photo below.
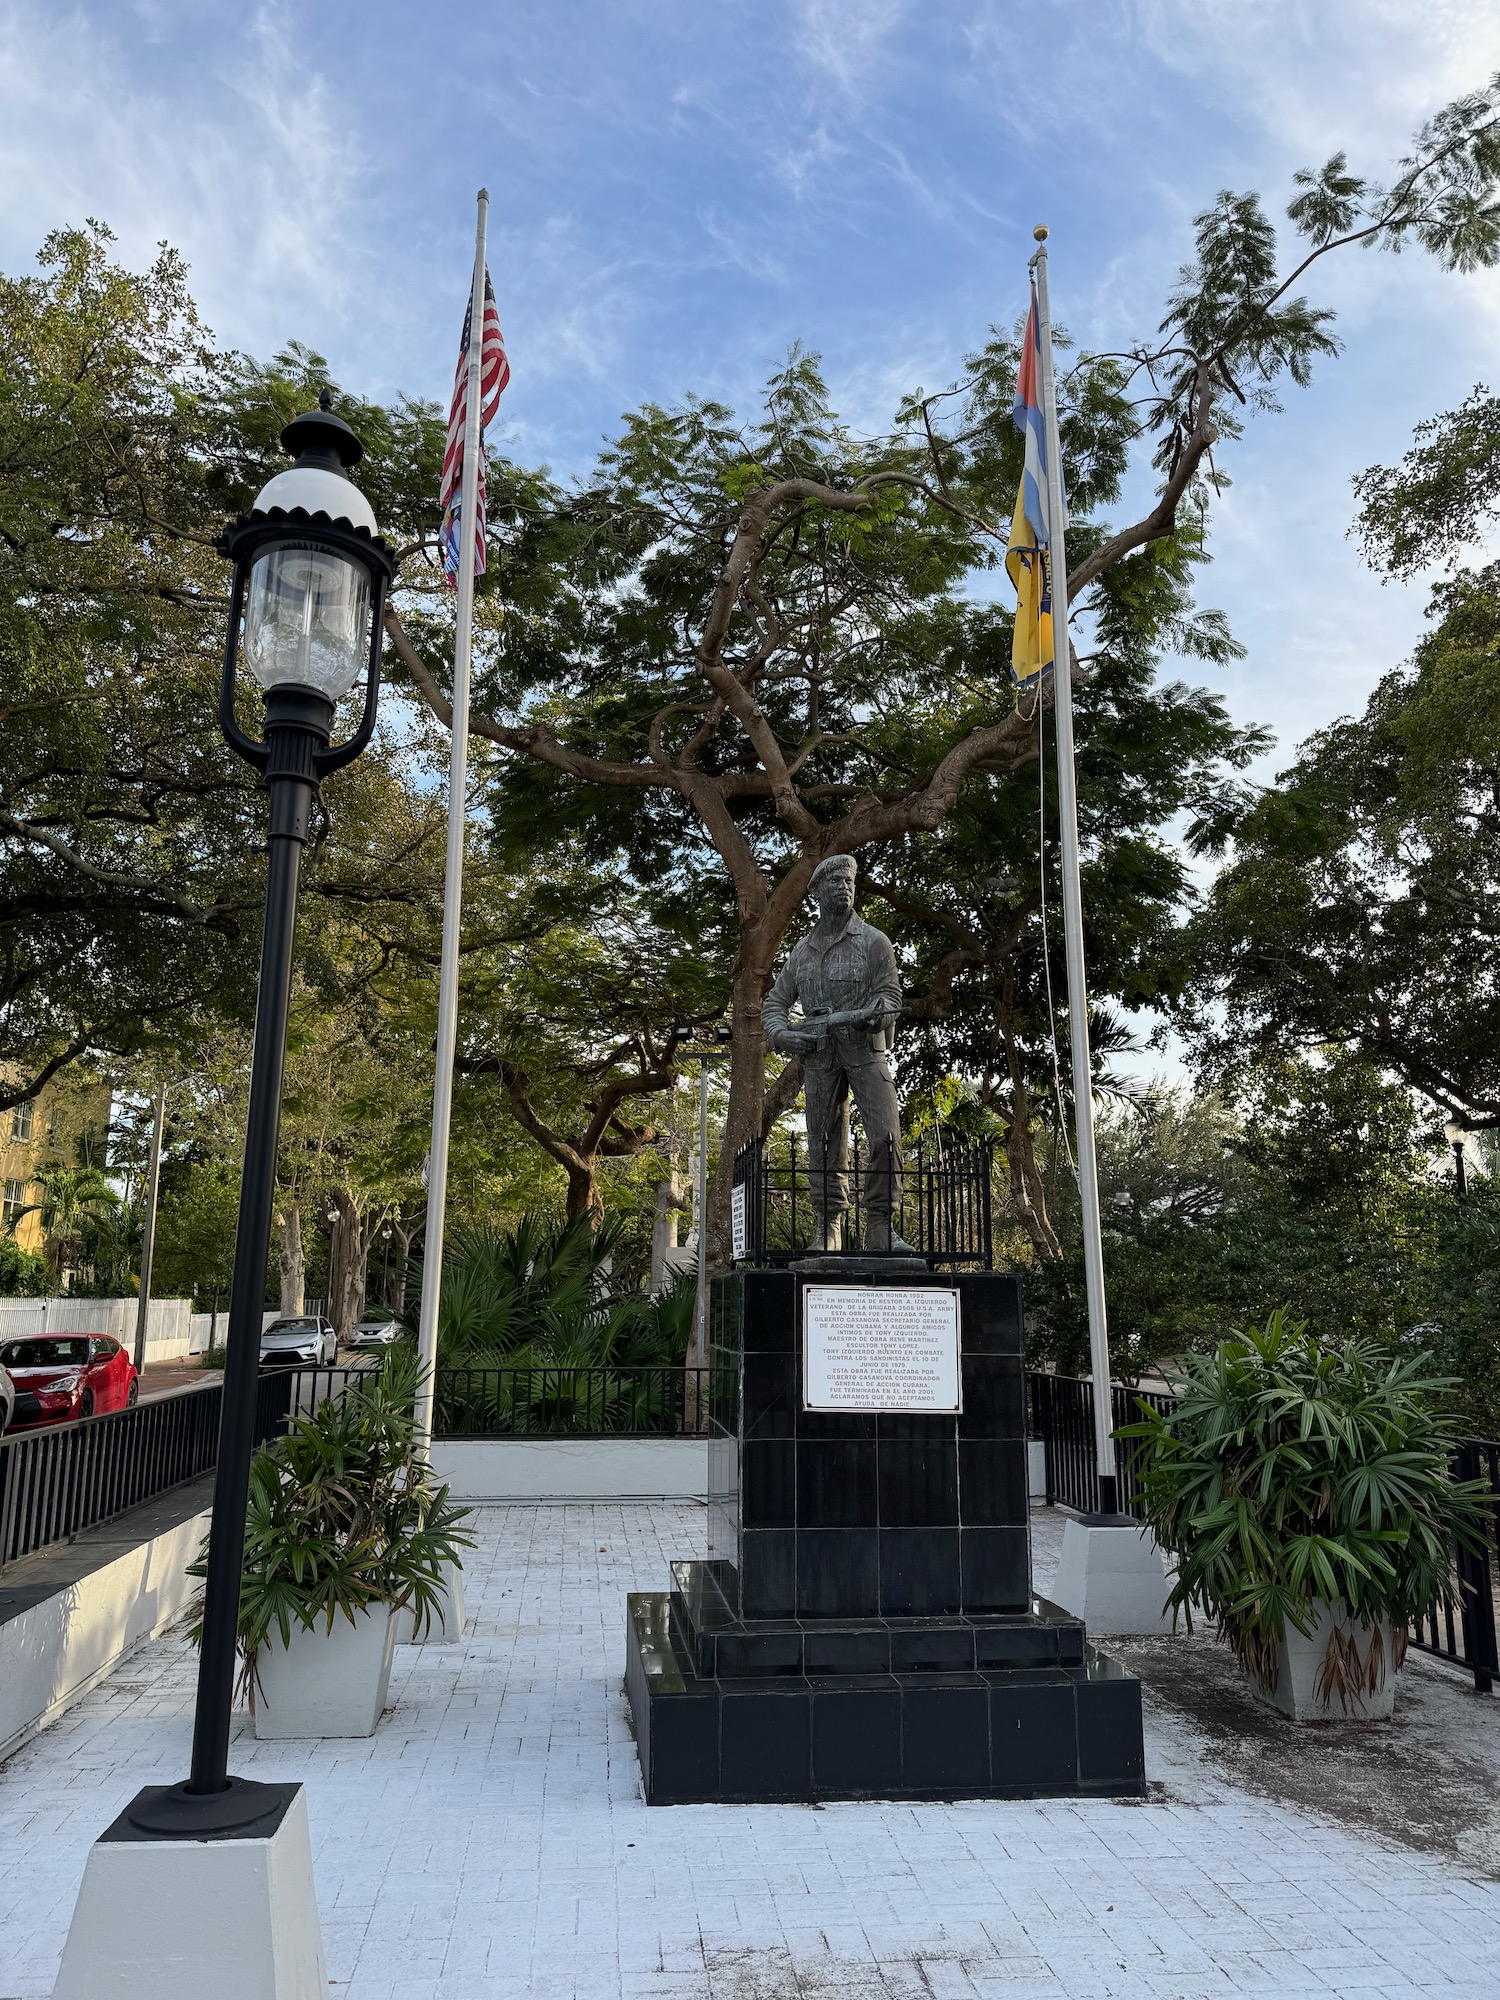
(669, 1202)
(292, 1262)
(583, 1190)
(402, 1235)
(747, 1081)
(348, 1255)
(1027, 1191)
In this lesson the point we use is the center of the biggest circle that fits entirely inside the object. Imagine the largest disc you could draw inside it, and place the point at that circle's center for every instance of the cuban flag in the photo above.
(1028, 554)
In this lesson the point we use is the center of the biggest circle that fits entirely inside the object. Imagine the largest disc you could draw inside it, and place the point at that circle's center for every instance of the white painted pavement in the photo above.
(489, 1842)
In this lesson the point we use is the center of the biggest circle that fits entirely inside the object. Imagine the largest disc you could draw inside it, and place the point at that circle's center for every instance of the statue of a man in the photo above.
(844, 976)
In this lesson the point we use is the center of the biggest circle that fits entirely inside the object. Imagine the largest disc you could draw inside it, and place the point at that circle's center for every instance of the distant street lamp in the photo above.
(311, 576)
(1455, 1133)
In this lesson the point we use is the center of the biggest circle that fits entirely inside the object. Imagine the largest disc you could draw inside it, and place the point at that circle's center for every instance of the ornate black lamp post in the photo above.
(310, 582)
(1455, 1131)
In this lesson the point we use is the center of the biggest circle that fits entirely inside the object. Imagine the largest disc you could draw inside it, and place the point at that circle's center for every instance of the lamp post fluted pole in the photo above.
(309, 588)
(292, 794)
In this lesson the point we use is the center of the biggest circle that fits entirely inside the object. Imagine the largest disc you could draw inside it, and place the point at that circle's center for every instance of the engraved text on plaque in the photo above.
(871, 1347)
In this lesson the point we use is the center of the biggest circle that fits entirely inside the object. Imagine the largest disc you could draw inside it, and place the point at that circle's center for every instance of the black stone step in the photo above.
(717, 1642)
(1056, 1731)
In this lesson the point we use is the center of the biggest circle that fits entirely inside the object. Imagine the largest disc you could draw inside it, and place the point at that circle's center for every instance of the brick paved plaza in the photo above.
(490, 1841)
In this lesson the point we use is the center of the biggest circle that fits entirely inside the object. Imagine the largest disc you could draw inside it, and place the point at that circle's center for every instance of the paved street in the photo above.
(491, 1840)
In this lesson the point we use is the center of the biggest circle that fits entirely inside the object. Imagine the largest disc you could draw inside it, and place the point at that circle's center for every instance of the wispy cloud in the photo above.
(846, 43)
(252, 172)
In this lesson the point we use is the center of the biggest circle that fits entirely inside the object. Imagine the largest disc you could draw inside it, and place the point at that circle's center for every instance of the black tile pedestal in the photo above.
(864, 1625)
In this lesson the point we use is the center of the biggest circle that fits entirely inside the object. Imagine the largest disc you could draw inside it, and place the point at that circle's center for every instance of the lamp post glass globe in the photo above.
(307, 619)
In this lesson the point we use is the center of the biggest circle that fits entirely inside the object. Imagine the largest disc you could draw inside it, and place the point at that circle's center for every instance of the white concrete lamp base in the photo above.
(234, 1916)
(1113, 1578)
(448, 1621)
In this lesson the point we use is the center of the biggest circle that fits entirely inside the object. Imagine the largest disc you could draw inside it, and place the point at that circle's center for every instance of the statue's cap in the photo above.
(836, 864)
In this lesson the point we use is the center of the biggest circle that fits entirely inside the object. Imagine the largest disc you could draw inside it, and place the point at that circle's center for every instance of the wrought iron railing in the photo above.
(1469, 1640)
(1060, 1411)
(57, 1481)
(942, 1208)
(576, 1402)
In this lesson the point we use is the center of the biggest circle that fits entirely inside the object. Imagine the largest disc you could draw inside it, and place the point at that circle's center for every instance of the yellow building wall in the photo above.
(63, 1113)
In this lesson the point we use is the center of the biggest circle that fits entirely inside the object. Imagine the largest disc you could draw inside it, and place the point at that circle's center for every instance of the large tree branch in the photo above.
(531, 738)
(1162, 519)
(13, 1094)
(111, 878)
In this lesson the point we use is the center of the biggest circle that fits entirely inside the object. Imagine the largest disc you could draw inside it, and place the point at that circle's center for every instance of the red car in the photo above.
(60, 1377)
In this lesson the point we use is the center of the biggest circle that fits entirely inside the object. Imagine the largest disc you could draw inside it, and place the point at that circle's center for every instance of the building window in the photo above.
(14, 1202)
(20, 1121)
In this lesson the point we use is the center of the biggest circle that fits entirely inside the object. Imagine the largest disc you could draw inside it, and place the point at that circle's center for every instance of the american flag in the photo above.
(494, 373)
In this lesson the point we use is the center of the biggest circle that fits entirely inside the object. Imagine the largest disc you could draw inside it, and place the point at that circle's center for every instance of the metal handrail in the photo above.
(59, 1480)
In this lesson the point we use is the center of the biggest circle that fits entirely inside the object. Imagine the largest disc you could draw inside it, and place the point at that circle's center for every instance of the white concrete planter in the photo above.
(326, 1683)
(1300, 1661)
(447, 1622)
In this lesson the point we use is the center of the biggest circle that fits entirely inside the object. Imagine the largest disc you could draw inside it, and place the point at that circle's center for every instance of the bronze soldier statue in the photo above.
(844, 976)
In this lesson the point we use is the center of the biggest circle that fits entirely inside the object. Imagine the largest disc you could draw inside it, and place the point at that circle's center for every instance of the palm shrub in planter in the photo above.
(344, 1529)
(1306, 1496)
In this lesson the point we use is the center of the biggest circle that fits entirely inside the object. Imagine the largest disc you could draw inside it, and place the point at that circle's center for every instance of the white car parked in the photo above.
(376, 1330)
(307, 1341)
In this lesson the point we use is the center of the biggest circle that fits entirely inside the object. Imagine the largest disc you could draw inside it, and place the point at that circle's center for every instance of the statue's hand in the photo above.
(795, 1042)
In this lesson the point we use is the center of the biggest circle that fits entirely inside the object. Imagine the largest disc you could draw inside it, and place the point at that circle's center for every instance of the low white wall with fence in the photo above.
(554, 1468)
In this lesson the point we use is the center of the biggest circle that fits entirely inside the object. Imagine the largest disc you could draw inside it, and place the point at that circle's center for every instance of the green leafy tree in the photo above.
(738, 648)
(1360, 905)
(1312, 1194)
(131, 840)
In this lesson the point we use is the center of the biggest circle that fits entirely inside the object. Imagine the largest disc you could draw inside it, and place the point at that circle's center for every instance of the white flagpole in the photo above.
(1078, 1005)
(453, 880)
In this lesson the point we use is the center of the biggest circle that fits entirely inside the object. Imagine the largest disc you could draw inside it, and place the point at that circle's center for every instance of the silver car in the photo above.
(307, 1341)
(376, 1330)
(7, 1400)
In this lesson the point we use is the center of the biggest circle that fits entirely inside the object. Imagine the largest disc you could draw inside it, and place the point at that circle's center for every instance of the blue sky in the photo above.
(683, 188)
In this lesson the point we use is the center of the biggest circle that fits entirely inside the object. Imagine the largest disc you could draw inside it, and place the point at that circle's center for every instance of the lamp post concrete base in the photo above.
(1112, 1576)
(448, 1620)
(235, 1916)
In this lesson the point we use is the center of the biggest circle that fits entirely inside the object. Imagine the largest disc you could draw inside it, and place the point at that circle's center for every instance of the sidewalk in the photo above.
(490, 1843)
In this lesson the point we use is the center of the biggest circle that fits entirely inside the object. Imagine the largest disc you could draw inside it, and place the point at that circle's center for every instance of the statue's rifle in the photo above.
(823, 1025)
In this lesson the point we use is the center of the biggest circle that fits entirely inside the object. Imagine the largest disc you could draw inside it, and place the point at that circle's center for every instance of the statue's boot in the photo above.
(880, 1238)
(830, 1237)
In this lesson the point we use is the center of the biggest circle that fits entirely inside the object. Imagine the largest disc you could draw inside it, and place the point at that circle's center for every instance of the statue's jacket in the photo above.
(856, 967)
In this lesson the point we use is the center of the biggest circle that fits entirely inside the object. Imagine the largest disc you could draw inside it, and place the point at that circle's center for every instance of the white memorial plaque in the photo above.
(874, 1347)
(739, 1233)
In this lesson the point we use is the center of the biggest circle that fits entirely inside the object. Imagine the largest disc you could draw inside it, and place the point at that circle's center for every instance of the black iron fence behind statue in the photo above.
(1470, 1639)
(1060, 1414)
(941, 1208)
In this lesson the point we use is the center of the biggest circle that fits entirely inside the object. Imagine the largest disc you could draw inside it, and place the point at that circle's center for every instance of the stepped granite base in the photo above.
(864, 1626)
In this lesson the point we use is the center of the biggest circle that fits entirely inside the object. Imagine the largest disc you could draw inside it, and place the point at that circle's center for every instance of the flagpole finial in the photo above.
(1040, 232)
(484, 194)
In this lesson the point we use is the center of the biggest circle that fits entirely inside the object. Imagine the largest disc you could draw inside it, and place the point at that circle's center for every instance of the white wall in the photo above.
(53, 1653)
(624, 1468)
(173, 1330)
